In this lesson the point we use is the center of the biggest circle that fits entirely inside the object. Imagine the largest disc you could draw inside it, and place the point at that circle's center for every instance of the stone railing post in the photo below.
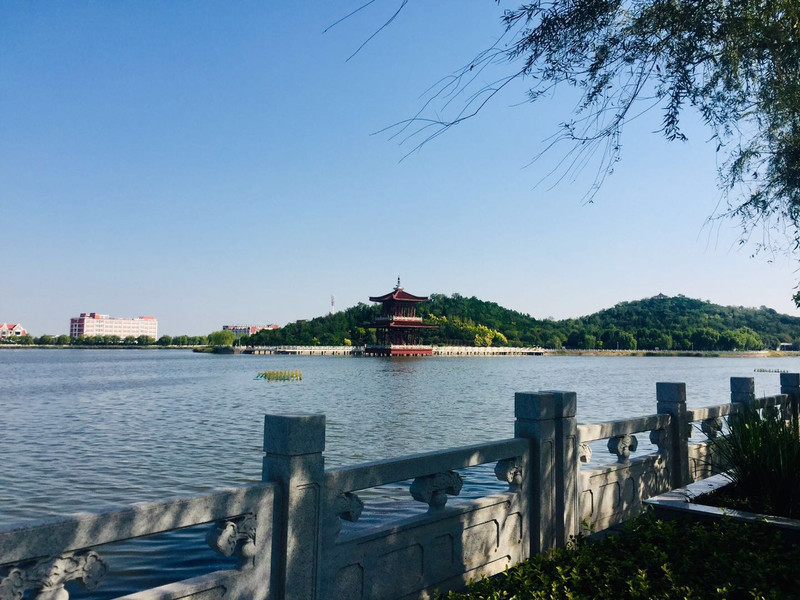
(567, 465)
(293, 446)
(790, 384)
(671, 400)
(547, 419)
(743, 390)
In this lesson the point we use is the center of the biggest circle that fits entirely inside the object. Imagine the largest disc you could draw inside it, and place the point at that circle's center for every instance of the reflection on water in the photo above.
(89, 429)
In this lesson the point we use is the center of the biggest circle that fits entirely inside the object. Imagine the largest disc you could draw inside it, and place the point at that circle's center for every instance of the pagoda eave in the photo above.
(403, 325)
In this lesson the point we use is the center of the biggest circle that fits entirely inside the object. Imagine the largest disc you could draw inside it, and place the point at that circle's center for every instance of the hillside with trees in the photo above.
(661, 322)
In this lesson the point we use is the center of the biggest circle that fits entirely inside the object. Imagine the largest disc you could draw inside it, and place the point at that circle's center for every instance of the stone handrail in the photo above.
(45, 555)
(367, 475)
(711, 412)
(600, 431)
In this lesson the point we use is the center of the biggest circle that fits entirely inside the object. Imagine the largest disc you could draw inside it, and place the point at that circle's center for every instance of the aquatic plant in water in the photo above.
(295, 375)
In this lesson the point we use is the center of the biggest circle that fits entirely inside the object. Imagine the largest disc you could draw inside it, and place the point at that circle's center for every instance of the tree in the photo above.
(224, 337)
(164, 340)
(704, 338)
(737, 62)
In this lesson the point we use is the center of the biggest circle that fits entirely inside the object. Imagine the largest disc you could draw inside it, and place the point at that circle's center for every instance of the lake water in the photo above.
(88, 429)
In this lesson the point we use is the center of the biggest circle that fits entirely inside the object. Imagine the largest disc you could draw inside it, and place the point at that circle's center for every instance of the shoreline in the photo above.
(443, 351)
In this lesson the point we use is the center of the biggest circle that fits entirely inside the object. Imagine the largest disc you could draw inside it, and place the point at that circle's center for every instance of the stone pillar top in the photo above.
(566, 403)
(670, 393)
(545, 406)
(790, 380)
(743, 389)
(294, 434)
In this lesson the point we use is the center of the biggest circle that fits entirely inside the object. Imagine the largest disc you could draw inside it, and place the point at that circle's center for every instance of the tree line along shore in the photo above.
(659, 324)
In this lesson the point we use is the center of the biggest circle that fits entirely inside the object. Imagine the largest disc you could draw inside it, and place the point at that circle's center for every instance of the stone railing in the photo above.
(287, 532)
(44, 556)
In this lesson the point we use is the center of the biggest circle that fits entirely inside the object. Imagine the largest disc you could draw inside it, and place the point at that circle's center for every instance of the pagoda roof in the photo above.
(398, 294)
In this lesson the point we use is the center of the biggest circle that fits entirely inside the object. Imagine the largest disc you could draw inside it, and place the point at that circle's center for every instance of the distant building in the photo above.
(91, 324)
(11, 330)
(241, 330)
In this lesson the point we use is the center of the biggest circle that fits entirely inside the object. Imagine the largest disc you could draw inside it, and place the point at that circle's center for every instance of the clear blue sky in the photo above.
(214, 162)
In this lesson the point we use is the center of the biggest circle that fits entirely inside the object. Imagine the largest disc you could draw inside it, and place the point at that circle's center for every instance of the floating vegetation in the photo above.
(769, 371)
(295, 375)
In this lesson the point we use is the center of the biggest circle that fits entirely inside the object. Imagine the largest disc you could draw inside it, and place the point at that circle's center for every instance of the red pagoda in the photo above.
(398, 328)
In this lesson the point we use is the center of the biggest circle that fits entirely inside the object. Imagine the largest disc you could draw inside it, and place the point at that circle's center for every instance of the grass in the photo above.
(653, 560)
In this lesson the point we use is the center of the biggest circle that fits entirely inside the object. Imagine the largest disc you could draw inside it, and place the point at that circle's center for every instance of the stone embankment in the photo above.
(359, 351)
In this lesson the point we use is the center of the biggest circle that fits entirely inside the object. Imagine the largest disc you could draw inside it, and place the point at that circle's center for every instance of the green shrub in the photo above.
(653, 559)
(761, 456)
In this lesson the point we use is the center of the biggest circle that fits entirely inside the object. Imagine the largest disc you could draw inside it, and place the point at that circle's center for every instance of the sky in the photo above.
(212, 163)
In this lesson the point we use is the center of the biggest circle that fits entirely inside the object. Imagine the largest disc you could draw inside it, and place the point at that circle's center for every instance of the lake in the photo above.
(90, 429)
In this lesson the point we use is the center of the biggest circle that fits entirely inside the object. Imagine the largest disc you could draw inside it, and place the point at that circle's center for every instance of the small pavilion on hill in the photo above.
(398, 328)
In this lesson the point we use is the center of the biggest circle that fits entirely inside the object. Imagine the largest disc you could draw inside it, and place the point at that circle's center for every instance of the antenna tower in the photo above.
(333, 304)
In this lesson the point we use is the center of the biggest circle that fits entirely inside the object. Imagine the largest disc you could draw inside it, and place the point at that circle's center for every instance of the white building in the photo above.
(11, 330)
(91, 324)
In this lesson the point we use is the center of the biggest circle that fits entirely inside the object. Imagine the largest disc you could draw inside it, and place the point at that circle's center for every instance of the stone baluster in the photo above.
(658, 437)
(293, 446)
(712, 427)
(622, 446)
(510, 471)
(434, 489)
(48, 577)
(234, 537)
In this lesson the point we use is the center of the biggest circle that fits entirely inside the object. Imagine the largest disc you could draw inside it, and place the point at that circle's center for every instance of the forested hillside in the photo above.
(661, 322)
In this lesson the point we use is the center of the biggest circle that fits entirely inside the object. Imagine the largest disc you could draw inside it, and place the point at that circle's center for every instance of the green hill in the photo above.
(666, 323)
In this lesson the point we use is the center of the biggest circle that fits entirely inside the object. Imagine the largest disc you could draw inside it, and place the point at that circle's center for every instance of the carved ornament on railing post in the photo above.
(786, 411)
(234, 537)
(711, 427)
(585, 453)
(49, 576)
(347, 506)
(622, 446)
(434, 489)
(658, 437)
(508, 470)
